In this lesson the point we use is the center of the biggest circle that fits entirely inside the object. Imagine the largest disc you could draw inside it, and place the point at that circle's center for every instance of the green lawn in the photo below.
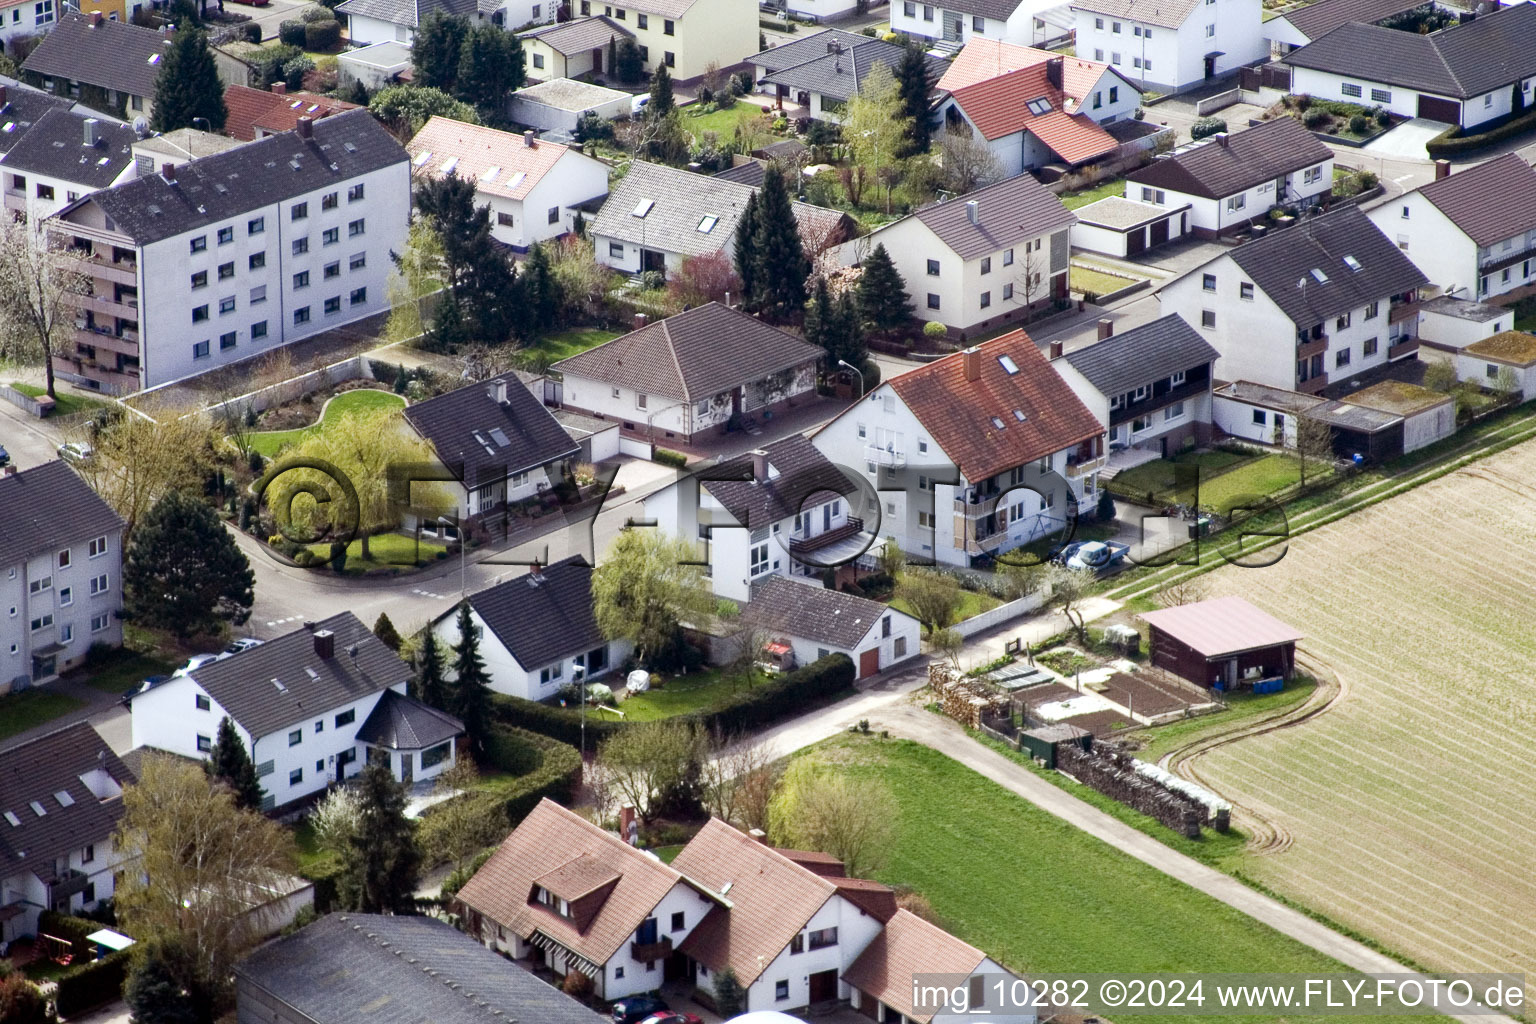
(1525, 314)
(1082, 279)
(668, 853)
(270, 442)
(1225, 478)
(678, 695)
(971, 603)
(1242, 706)
(723, 122)
(573, 342)
(387, 551)
(122, 668)
(65, 403)
(1037, 894)
(29, 708)
(1103, 190)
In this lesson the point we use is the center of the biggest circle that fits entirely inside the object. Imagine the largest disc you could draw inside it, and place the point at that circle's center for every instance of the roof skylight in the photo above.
(997, 422)
(10, 816)
(1319, 276)
(64, 799)
(450, 164)
(424, 156)
(1352, 263)
(1008, 364)
(1039, 105)
(707, 224)
(642, 208)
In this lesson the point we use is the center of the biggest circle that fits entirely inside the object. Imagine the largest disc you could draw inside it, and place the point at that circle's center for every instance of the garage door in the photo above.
(1135, 241)
(1160, 232)
(1435, 109)
(869, 662)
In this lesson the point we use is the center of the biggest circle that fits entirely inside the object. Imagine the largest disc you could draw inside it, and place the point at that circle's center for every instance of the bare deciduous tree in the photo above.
(1068, 588)
(138, 459)
(728, 778)
(39, 286)
(1030, 282)
(969, 162)
(1185, 591)
(1314, 442)
(932, 596)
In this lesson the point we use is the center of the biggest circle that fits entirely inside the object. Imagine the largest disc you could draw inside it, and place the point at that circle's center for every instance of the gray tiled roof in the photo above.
(580, 35)
(400, 722)
(799, 50)
(841, 75)
(1257, 154)
(1316, 20)
(22, 109)
(750, 173)
(346, 968)
(803, 471)
(408, 13)
(681, 201)
(1282, 265)
(1462, 61)
(55, 147)
(545, 618)
(811, 612)
(1491, 201)
(1142, 355)
(311, 685)
(113, 54)
(1166, 13)
(468, 426)
(40, 770)
(229, 184)
(49, 507)
(696, 354)
(1011, 211)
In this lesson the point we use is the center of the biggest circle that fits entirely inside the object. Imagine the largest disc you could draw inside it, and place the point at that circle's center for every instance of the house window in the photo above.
(909, 9)
(295, 737)
(1177, 378)
(199, 314)
(226, 235)
(1173, 412)
(226, 271)
(358, 261)
(1381, 95)
(1114, 57)
(97, 547)
(202, 702)
(434, 756)
(1008, 290)
(618, 972)
(781, 990)
(986, 264)
(301, 315)
(333, 305)
(200, 350)
(204, 743)
(1350, 89)
(639, 401)
(226, 340)
(677, 921)
(1114, 27)
(42, 622)
(296, 776)
(258, 330)
(226, 305)
(1210, 31)
(986, 299)
(98, 623)
(1341, 357)
(99, 584)
(1372, 309)
(641, 21)
(1342, 322)
(200, 280)
(933, 268)
(551, 673)
(355, 193)
(66, 633)
(978, 24)
(1245, 290)
(1312, 175)
(824, 937)
(933, 300)
(257, 260)
(669, 58)
(1007, 257)
(299, 211)
(1237, 202)
(200, 243)
(616, 250)
(330, 236)
(329, 201)
(300, 246)
(760, 563)
(332, 270)
(1488, 100)
(668, 28)
(1208, 282)
(925, 520)
(1098, 55)
(1207, 318)
(256, 225)
(346, 718)
(358, 297)
(1098, 23)
(1369, 348)
(355, 228)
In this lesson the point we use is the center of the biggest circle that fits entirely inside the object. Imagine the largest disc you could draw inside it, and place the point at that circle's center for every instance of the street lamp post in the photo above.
(855, 369)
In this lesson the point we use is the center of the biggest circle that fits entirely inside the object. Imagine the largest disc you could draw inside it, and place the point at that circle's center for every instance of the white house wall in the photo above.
(1432, 241)
(1255, 339)
(1176, 56)
(1457, 332)
(1484, 372)
(507, 674)
(1425, 428)
(19, 607)
(363, 31)
(1252, 422)
(856, 929)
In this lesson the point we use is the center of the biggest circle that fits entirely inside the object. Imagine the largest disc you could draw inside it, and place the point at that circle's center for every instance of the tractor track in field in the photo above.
(1267, 836)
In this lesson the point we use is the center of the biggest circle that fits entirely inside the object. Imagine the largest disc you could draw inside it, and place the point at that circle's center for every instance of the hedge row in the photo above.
(92, 984)
(668, 457)
(74, 929)
(789, 694)
(1451, 143)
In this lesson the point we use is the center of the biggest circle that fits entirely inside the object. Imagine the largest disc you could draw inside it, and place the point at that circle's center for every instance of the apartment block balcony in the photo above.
(1314, 385)
(128, 308)
(16, 202)
(105, 338)
(1311, 347)
(651, 951)
(973, 504)
(67, 884)
(1402, 311)
(887, 456)
(852, 528)
(1082, 467)
(1402, 347)
(106, 269)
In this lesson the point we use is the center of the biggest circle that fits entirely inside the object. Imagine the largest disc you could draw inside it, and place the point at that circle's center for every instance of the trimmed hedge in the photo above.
(1450, 142)
(810, 686)
(291, 33)
(320, 36)
(668, 457)
(326, 875)
(91, 984)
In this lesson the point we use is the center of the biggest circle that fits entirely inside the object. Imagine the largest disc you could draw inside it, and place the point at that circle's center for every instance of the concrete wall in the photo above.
(1470, 366)
(1425, 428)
(1455, 332)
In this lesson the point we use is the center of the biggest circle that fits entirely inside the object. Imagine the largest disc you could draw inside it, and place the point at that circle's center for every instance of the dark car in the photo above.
(634, 1009)
(142, 686)
(672, 1017)
(5, 456)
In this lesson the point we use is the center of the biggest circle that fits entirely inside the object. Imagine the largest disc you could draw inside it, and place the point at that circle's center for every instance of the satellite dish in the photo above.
(140, 126)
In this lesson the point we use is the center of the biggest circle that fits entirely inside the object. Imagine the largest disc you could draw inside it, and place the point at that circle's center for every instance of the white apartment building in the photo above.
(61, 585)
(236, 254)
(1171, 47)
(961, 21)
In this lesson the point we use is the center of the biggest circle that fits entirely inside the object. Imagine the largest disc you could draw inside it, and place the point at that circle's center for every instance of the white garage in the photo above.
(556, 105)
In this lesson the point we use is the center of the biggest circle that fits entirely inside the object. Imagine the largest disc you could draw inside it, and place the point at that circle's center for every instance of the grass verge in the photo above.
(565, 344)
(1103, 190)
(119, 670)
(1242, 708)
(270, 442)
(32, 708)
(65, 403)
(971, 603)
(678, 695)
(386, 551)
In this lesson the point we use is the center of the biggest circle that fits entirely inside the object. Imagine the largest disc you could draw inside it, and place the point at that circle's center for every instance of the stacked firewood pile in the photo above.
(967, 701)
(1114, 774)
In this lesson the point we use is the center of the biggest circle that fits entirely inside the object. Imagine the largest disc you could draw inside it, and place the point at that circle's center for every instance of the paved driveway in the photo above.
(1406, 141)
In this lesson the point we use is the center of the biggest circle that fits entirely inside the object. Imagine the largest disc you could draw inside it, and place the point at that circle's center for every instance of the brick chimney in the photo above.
(306, 127)
(629, 827)
(972, 362)
(325, 643)
(281, 88)
(95, 18)
(641, 320)
(759, 465)
(168, 171)
(1055, 350)
(1106, 328)
(1442, 168)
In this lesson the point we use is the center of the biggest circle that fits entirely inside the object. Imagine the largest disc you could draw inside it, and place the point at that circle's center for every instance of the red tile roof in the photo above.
(499, 163)
(568, 854)
(823, 864)
(959, 413)
(988, 58)
(1221, 626)
(906, 946)
(1076, 138)
(273, 113)
(999, 107)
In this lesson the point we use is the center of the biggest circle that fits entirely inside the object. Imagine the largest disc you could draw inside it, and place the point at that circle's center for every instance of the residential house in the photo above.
(537, 631)
(691, 376)
(1465, 75)
(813, 622)
(572, 48)
(1372, 424)
(1296, 28)
(827, 69)
(559, 105)
(498, 441)
(1088, 87)
(377, 65)
(685, 35)
(784, 510)
(1173, 46)
(61, 798)
(257, 113)
(988, 258)
(61, 157)
(223, 258)
(310, 707)
(1150, 387)
(570, 896)
(1492, 361)
(1450, 324)
(974, 454)
(1473, 233)
(22, 18)
(1127, 227)
(106, 65)
(1326, 298)
(1023, 119)
(1258, 412)
(61, 578)
(880, 984)
(658, 216)
(533, 188)
(956, 23)
(21, 107)
(179, 147)
(1228, 181)
(380, 21)
(346, 967)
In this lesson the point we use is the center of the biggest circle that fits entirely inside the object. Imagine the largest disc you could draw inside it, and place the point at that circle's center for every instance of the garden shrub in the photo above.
(1316, 118)
(667, 457)
(1359, 124)
(1451, 142)
(933, 330)
(1207, 126)
(310, 15)
(73, 929)
(251, 31)
(291, 33)
(1383, 118)
(322, 35)
(89, 985)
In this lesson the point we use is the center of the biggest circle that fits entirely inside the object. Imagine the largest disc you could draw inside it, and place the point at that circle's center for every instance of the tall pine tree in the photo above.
(882, 292)
(385, 865)
(229, 763)
(430, 686)
(383, 628)
(184, 572)
(745, 255)
(187, 89)
(485, 285)
(661, 103)
(816, 315)
(436, 50)
(471, 694)
(490, 69)
(781, 267)
(912, 80)
(541, 293)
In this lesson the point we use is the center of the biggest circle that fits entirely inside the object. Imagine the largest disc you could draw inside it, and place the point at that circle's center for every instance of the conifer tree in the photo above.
(781, 267)
(912, 78)
(882, 293)
(431, 689)
(471, 693)
(661, 94)
(541, 293)
(745, 255)
(436, 51)
(490, 69)
(385, 630)
(187, 89)
(385, 865)
(229, 762)
(184, 572)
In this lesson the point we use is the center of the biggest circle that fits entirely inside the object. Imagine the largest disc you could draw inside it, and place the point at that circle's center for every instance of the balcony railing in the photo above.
(97, 266)
(1312, 347)
(1083, 467)
(650, 951)
(982, 505)
(1402, 311)
(1313, 385)
(67, 884)
(1402, 347)
(851, 528)
(888, 456)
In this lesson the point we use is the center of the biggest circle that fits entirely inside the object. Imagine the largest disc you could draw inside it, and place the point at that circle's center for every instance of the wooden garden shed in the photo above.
(1222, 643)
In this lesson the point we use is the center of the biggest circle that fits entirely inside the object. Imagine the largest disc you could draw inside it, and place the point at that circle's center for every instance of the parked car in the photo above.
(1097, 555)
(140, 687)
(240, 646)
(76, 451)
(637, 105)
(196, 662)
(5, 456)
(634, 1009)
(673, 1017)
